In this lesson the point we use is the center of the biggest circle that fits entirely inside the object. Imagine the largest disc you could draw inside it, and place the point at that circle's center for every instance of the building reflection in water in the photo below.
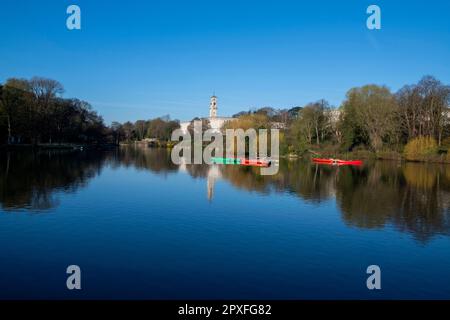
(213, 175)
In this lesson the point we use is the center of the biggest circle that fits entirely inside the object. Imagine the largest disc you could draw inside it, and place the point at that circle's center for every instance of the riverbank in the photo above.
(57, 146)
(443, 158)
(152, 143)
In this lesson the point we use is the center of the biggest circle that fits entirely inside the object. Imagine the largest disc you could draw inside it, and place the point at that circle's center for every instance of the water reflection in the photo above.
(29, 180)
(412, 197)
(142, 158)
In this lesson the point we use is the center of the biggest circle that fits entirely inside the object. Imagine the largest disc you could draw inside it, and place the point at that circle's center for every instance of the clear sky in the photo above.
(142, 59)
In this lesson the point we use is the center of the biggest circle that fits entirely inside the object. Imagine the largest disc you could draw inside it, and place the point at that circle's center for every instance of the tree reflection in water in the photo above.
(412, 197)
(28, 180)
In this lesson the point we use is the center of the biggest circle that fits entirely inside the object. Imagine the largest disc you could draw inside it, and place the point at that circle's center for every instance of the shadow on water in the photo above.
(412, 197)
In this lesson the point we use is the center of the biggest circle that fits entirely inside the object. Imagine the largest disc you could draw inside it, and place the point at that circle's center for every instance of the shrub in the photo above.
(445, 144)
(420, 148)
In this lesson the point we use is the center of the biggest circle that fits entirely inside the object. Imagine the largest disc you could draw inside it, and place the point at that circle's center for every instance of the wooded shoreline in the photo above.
(372, 122)
(362, 155)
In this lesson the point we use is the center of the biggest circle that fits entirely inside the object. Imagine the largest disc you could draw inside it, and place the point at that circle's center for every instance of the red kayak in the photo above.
(338, 161)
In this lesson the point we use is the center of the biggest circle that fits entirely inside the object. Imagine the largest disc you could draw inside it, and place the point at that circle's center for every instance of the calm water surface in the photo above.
(141, 227)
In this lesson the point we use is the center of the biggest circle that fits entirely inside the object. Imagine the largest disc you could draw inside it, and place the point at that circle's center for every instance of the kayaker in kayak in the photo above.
(333, 161)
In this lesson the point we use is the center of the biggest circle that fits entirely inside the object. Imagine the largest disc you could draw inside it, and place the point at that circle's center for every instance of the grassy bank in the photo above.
(370, 155)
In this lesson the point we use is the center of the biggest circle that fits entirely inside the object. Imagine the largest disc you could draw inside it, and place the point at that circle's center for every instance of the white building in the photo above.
(335, 115)
(184, 126)
(215, 122)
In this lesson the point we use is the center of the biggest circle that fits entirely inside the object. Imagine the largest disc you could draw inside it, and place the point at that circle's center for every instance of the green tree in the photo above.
(372, 111)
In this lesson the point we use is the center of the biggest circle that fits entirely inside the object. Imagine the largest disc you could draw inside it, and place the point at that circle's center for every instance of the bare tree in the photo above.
(141, 129)
(424, 108)
(45, 91)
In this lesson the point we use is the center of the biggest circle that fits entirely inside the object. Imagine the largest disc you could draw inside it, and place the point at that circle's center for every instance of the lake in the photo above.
(141, 227)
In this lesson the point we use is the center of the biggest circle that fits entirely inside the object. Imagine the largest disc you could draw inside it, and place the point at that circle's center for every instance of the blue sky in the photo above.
(142, 59)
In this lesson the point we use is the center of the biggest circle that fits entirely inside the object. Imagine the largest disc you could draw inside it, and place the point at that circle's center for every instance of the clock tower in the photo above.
(213, 107)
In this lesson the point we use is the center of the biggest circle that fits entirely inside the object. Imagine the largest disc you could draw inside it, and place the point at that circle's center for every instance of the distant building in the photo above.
(335, 115)
(215, 122)
(277, 125)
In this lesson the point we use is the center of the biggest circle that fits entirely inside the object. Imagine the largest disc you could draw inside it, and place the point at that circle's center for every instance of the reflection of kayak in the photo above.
(226, 160)
(242, 161)
(338, 161)
(257, 163)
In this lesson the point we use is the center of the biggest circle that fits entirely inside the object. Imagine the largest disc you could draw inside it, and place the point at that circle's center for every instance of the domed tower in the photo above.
(213, 107)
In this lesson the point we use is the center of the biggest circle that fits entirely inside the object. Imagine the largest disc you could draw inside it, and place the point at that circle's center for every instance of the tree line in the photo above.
(33, 112)
(159, 129)
(371, 118)
(415, 119)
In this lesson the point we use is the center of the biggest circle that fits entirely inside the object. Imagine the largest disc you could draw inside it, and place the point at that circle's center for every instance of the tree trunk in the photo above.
(7, 164)
(9, 129)
(317, 136)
